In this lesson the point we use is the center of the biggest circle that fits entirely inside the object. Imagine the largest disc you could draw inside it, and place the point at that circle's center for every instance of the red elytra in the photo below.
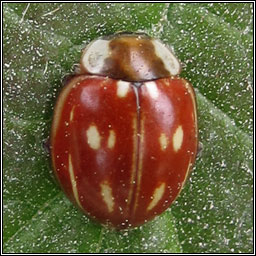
(122, 150)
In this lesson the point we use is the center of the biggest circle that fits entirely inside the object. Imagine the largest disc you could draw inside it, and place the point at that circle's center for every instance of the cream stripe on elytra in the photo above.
(186, 176)
(177, 138)
(156, 197)
(58, 111)
(152, 89)
(73, 180)
(60, 104)
(134, 159)
(106, 192)
(122, 88)
(111, 139)
(140, 164)
(71, 116)
(187, 172)
(93, 137)
(192, 96)
(164, 141)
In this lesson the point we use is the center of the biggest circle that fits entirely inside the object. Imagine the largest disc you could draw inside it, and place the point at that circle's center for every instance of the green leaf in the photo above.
(214, 213)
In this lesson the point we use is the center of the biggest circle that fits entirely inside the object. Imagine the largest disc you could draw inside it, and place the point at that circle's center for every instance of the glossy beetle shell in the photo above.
(122, 150)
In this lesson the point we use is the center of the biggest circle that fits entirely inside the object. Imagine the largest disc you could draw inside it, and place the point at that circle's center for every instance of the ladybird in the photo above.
(124, 135)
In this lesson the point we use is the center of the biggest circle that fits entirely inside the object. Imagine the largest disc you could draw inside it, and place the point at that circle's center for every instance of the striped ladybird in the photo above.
(124, 133)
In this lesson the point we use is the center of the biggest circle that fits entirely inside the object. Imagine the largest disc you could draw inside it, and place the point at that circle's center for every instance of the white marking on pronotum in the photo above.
(106, 192)
(111, 139)
(171, 63)
(93, 137)
(152, 89)
(73, 180)
(122, 88)
(157, 195)
(177, 138)
(163, 140)
(95, 55)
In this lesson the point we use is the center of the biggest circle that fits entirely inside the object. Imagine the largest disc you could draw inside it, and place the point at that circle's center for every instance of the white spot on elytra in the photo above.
(122, 88)
(93, 137)
(157, 195)
(171, 63)
(111, 139)
(73, 180)
(106, 192)
(177, 138)
(163, 141)
(152, 89)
